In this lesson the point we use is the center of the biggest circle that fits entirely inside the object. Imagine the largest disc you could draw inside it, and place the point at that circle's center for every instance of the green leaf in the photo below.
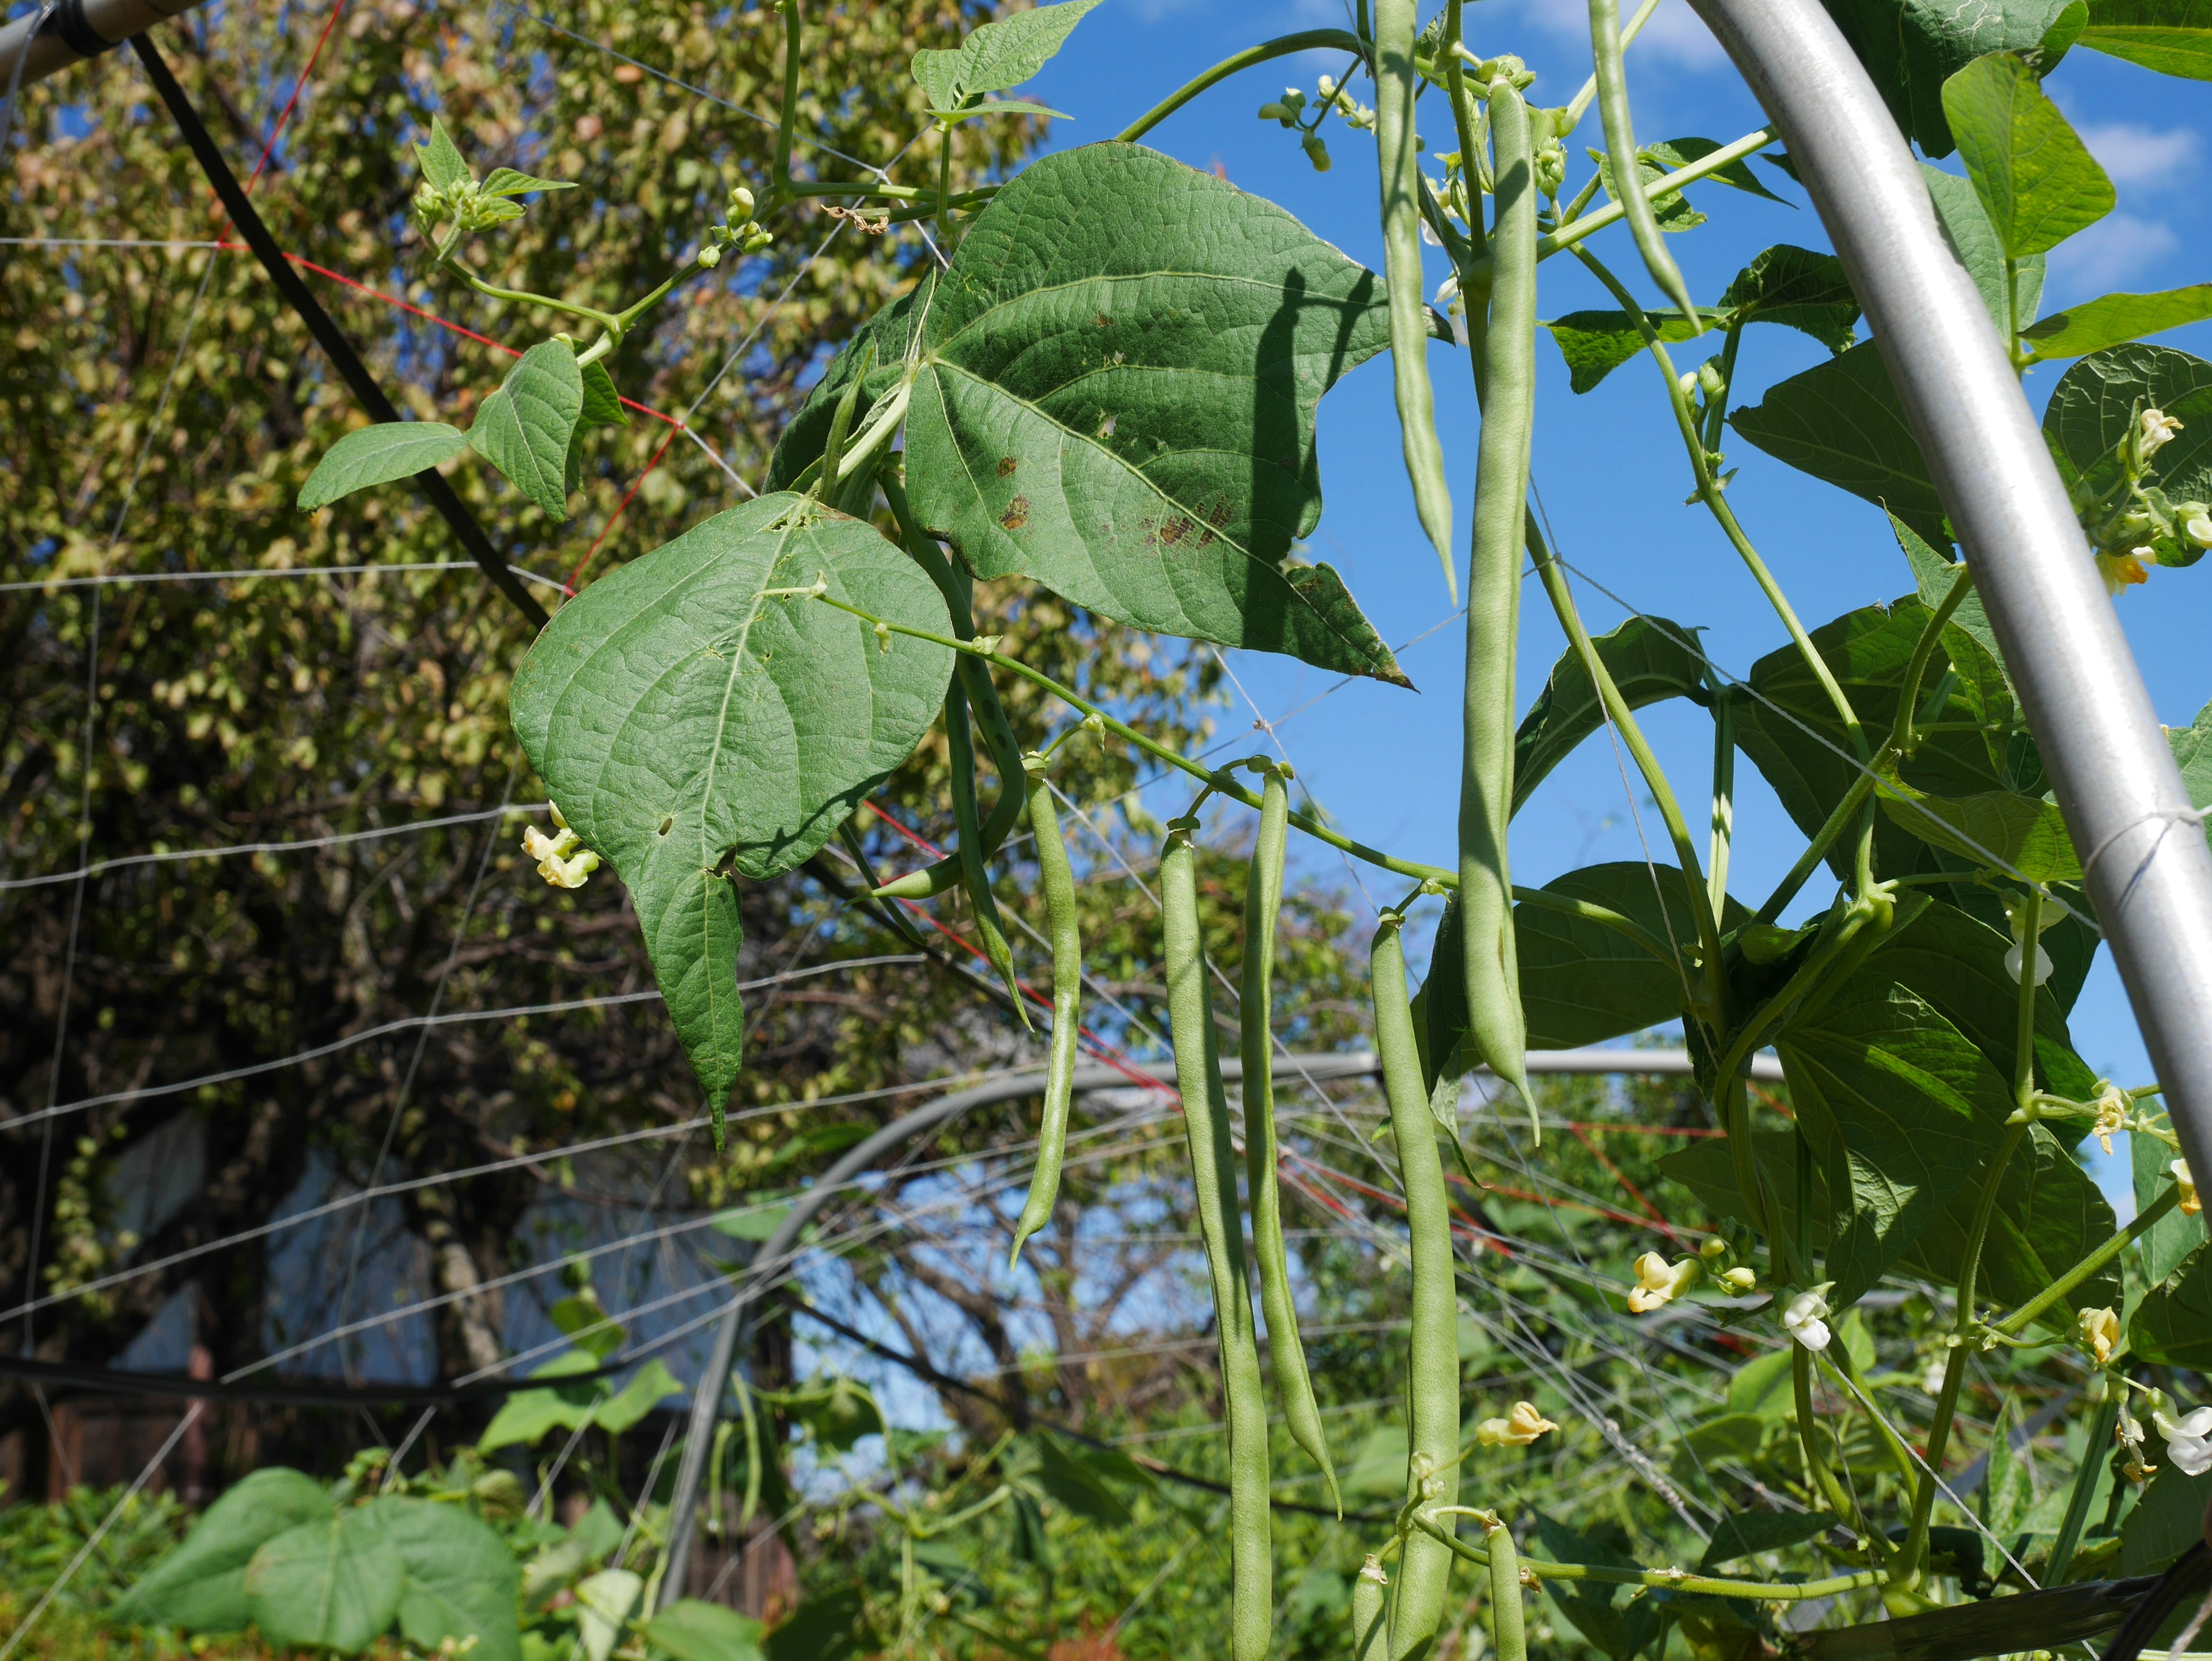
(1840, 421)
(1010, 107)
(584, 1323)
(1965, 222)
(753, 1221)
(2037, 181)
(2172, 1325)
(2094, 401)
(602, 405)
(377, 455)
(2173, 37)
(1932, 573)
(2007, 1486)
(998, 55)
(686, 722)
(441, 158)
(1894, 1102)
(882, 343)
(459, 1580)
(505, 182)
(1596, 1610)
(837, 1416)
(2192, 754)
(1910, 47)
(1673, 210)
(2167, 1522)
(1672, 154)
(2115, 318)
(1648, 658)
(828, 1626)
(2048, 1216)
(1597, 343)
(689, 1630)
(2001, 831)
(1747, 1533)
(2169, 1240)
(1800, 289)
(649, 1386)
(524, 427)
(1071, 1484)
(527, 1416)
(1764, 1388)
(1583, 982)
(333, 1584)
(603, 1604)
(1707, 1169)
(201, 1586)
(1115, 394)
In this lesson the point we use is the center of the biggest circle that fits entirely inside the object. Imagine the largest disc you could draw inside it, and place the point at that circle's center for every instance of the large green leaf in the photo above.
(689, 1630)
(1115, 394)
(1840, 421)
(998, 55)
(1747, 1533)
(2114, 320)
(524, 427)
(830, 1626)
(2048, 1216)
(378, 454)
(2001, 831)
(459, 1580)
(1965, 222)
(2172, 1325)
(1594, 344)
(1933, 574)
(201, 1586)
(2094, 401)
(1797, 288)
(333, 1584)
(2173, 37)
(1896, 1104)
(1648, 658)
(526, 1415)
(2037, 181)
(1583, 982)
(1707, 1169)
(649, 1387)
(2167, 1241)
(1910, 47)
(688, 722)
(2169, 1519)
(881, 342)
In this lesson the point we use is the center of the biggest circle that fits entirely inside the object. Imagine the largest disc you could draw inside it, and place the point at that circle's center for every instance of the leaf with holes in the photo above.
(1648, 658)
(2037, 181)
(690, 723)
(1113, 396)
(377, 455)
(524, 427)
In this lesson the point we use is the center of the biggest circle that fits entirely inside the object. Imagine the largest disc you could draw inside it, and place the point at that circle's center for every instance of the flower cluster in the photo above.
(559, 860)
(740, 231)
(2132, 525)
(2101, 1334)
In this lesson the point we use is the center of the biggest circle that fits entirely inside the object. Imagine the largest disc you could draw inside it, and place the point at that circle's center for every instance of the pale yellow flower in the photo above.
(2100, 1331)
(1658, 1281)
(2191, 1205)
(2112, 1105)
(1516, 1430)
(2159, 429)
(558, 860)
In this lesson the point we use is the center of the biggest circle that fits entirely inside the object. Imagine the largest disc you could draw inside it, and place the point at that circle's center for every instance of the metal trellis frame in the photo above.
(2148, 868)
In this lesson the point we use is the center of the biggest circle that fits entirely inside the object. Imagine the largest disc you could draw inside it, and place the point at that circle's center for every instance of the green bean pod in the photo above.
(974, 873)
(1433, 1364)
(1620, 151)
(1371, 1608)
(1263, 901)
(1212, 1162)
(1058, 880)
(1396, 84)
(1508, 1620)
(1507, 380)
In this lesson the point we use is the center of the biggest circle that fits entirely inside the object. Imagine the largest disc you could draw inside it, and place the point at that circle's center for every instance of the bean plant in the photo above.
(1106, 387)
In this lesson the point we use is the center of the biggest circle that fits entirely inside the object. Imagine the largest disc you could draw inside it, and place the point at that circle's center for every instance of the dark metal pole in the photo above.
(350, 368)
(2149, 870)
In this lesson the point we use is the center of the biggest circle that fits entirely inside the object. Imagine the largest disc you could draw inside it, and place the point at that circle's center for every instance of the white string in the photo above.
(103, 242)
(117, 579)
(337, 839)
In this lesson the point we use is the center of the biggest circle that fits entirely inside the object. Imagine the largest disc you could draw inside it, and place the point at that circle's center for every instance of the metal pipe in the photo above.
(2149, 869)
(78, 29)
(776, 1252)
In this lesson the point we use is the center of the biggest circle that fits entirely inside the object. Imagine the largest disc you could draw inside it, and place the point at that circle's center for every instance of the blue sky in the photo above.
(1608, 465)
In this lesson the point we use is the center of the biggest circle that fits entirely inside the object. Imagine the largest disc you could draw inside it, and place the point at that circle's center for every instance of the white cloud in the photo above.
(2121, 252)
(2136, 155)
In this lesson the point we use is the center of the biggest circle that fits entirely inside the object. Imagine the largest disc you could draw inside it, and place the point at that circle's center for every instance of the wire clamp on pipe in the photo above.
(2172, 815)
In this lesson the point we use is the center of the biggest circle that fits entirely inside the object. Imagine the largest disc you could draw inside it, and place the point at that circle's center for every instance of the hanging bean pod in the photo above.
(1058, 880)
(1263, 901)
(1507, 378)
(1370, 1609)
(1620, 153)
(1433, 1363)
(1397, 83)
(975, 875)
(1212, 1162)
(1509, 1619)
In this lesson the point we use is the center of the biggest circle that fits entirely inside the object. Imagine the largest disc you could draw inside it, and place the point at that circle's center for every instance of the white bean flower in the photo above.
(1805, 1316)
(2188, 1440)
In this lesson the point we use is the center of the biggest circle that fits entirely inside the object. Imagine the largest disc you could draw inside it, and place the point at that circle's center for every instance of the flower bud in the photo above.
(1316, 152)
(1739, 1280)
(741, 203)
(2100, 1333)
(1714, 1250)
(1710, 378)
(1272, 111)
(2191, 1205)
(710, 256)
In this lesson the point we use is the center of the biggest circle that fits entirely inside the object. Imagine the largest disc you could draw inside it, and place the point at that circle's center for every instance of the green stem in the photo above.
(2017, 1323)
(944, 187)
(1710, 493)
(788, 118)
(1800, 1382)
(1766, 1591)
(606, 320)
(2023, 1059)
(1285, 46)
(1724, 825)
(2093, 1465)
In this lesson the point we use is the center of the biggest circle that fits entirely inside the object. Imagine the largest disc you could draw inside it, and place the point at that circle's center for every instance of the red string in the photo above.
(569, 586)
(298, 86)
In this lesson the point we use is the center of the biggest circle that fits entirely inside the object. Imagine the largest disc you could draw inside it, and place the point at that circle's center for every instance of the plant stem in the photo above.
(2101, 1424)
(1713, 1000)
(1663, 1579)
(1284, 46)
(944, 187)
(788, 118)
(606, 320)
(1841, 1501)
(2017, 1323)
